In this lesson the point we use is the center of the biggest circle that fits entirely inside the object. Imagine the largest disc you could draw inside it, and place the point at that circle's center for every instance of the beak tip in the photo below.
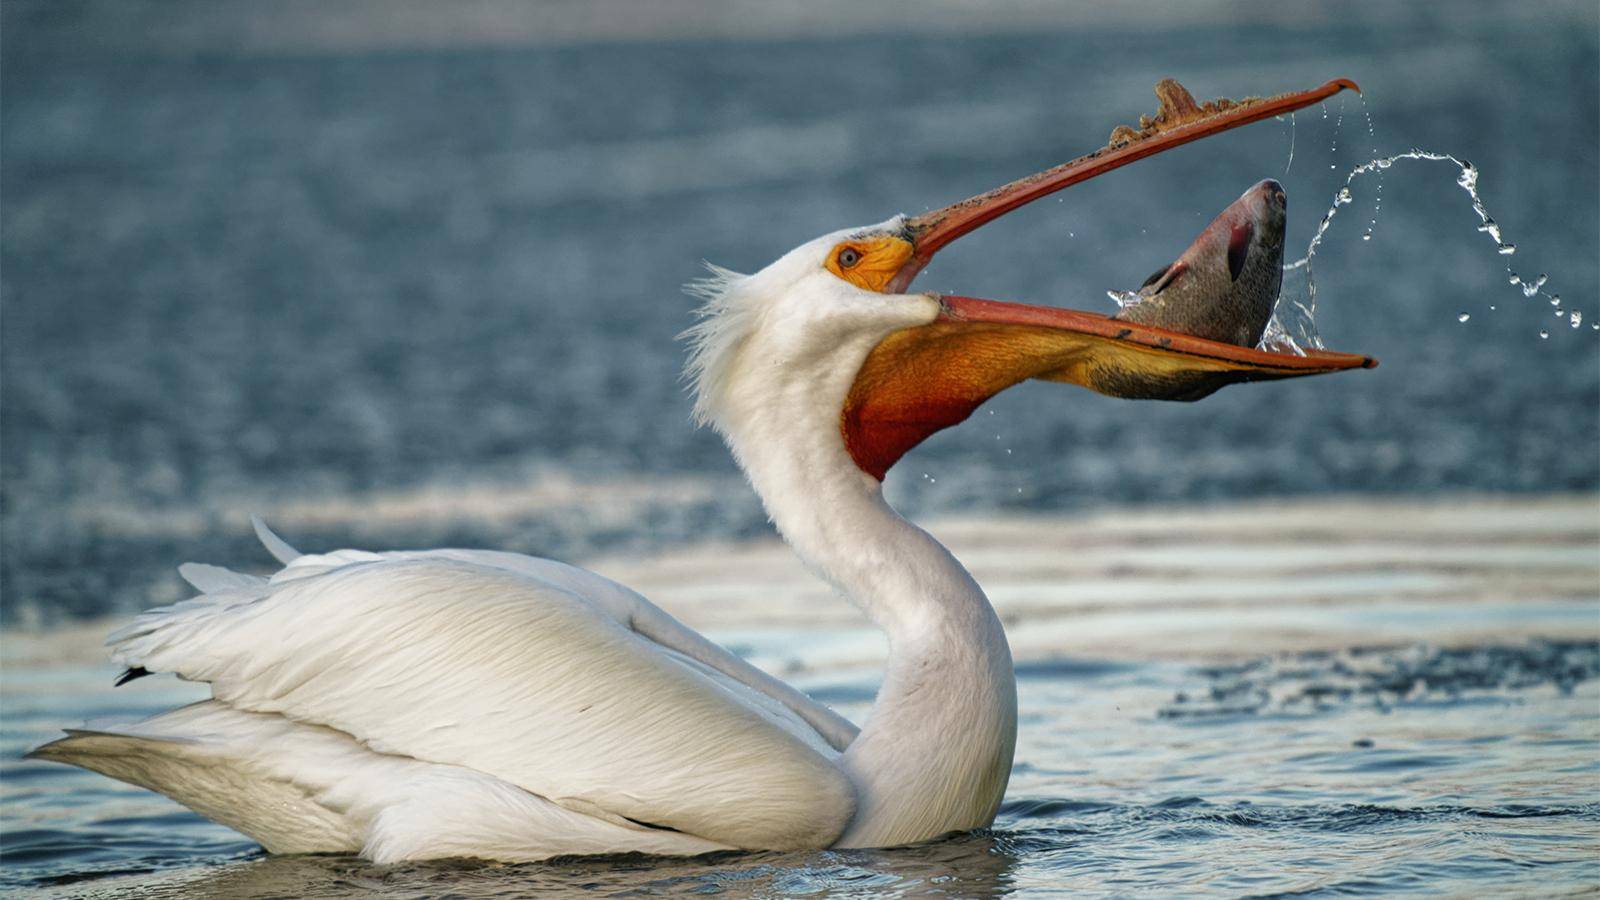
(1345, 84)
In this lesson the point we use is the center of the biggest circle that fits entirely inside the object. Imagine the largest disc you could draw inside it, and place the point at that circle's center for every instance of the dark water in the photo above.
(239, 274)
(1377, 770)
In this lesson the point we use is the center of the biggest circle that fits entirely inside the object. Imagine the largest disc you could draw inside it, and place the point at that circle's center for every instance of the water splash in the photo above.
(1124, 299)
(1293, 324)
(1377, 195)
(1290, 164)
(1338, 128)
(1289, 328)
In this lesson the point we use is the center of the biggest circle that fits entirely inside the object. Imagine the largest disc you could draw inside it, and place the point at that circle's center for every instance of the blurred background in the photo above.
(407, 274)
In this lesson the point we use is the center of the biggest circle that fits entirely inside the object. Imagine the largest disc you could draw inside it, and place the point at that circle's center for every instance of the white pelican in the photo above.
(444, 703)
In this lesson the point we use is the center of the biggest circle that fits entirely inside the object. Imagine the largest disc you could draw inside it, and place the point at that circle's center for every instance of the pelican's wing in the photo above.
(447, 659)
(629, 607)
(298, 788)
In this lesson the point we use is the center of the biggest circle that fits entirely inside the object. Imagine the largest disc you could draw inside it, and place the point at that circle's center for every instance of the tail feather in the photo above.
(204, 757)
(275, 813)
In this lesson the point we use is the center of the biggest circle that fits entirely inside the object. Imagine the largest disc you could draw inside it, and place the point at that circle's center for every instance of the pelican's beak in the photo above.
(920, 380)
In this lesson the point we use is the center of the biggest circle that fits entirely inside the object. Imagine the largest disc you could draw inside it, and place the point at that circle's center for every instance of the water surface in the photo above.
(1372, 770)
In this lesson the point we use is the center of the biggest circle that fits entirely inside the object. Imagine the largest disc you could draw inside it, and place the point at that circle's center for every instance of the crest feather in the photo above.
(724, 321)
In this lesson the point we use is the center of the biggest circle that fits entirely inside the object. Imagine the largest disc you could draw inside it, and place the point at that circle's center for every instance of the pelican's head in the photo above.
(816, 310)
(827, 336)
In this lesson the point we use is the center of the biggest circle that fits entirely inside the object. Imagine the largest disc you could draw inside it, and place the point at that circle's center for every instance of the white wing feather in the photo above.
(277, 546)
(299, 788)
(212, 579)
(523, 671)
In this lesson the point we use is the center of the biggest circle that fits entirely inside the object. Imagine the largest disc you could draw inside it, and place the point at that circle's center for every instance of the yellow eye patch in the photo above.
(869, 264)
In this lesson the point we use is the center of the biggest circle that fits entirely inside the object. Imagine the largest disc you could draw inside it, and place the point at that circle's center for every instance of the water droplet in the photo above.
(1544, 335)
(1492, 307)
(1577, 318)
(1555, 299)
(1008, 451)
(1468, 178)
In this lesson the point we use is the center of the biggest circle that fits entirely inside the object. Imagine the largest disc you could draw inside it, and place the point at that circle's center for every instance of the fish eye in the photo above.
(848, 257)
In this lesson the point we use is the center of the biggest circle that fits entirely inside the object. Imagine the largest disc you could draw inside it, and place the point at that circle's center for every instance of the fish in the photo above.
(1225, 286)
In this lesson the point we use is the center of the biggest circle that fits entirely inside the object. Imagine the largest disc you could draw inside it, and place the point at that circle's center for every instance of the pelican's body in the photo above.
(474, 703)
(459, 703)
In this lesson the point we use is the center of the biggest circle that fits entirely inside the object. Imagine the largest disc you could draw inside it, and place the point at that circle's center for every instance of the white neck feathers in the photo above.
(935, 753)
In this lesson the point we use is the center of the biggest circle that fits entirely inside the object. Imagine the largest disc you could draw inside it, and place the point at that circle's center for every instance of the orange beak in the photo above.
(920, 380)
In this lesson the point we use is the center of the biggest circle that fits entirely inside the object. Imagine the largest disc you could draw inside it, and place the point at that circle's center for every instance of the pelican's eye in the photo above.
(869, 263)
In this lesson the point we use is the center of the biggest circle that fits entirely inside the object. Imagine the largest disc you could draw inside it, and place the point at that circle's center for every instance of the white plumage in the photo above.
(531, 685)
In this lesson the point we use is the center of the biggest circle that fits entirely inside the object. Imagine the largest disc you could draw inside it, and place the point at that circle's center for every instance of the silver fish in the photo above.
(1224, 287)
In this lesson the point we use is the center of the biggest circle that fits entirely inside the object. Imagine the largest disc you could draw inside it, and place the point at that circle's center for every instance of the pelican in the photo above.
(474, 703)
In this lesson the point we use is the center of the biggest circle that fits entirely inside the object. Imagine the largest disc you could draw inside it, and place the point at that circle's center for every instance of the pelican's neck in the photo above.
(935, 753)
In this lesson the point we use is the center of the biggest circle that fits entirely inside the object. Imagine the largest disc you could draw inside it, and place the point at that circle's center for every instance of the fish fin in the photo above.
(1239, 247)
(1171, 275)
(1155, 276)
